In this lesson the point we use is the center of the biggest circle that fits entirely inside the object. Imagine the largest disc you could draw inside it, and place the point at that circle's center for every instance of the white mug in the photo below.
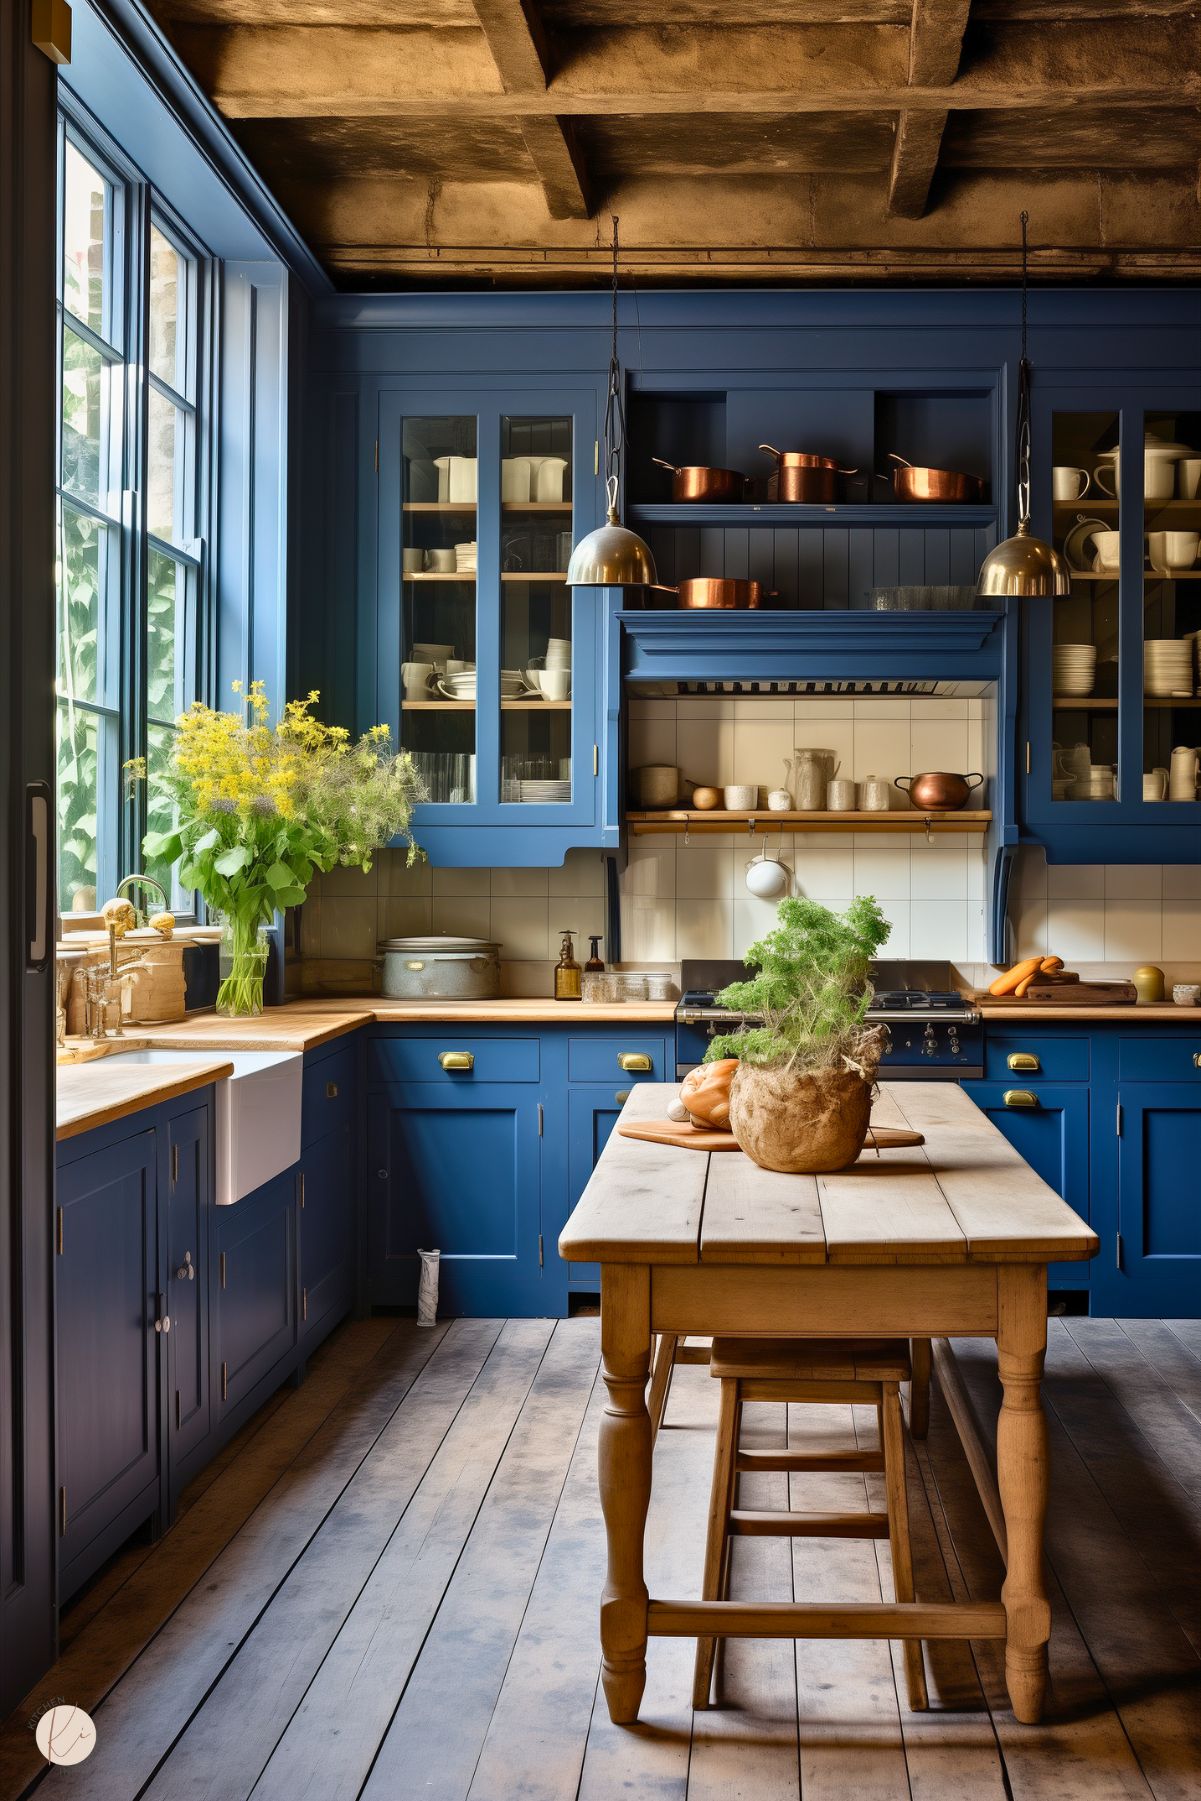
(412, 559)
(1155, 785)
(1189, 479)
(416, 678)
(840, 795)
(556, 683)
(1068, 483)
(441, 562)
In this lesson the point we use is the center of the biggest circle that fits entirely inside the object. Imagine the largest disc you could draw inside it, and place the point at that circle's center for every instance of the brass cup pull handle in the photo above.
(634, 1062)
(331, 1091)
(621, 1096)
(457, 1059)
(1019, 1097)
(1197, 1059)
(1023, 1063)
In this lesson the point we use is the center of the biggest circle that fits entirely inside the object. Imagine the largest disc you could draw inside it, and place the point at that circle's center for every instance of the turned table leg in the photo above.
(625, 1483)
(1022, 1480)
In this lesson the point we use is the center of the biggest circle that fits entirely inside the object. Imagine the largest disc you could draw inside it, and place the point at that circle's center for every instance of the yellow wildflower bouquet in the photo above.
(260, 807)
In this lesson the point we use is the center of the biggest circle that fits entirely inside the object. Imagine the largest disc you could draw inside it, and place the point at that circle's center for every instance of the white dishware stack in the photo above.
(1073, 668)
(1168, 666)
(465, 556)
(1183, 767)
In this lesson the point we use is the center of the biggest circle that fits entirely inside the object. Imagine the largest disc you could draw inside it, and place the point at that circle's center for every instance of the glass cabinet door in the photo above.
(1088, 524)
(537, 641)
(1171, 614)
(439, 467)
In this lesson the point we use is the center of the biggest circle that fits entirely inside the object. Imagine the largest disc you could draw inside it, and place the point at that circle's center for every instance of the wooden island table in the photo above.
(951, 1239)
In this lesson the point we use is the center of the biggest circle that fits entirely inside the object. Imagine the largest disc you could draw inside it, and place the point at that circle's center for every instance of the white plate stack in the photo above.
(465, 557)
(1167, 666)
(1073, 668)
(545, 791)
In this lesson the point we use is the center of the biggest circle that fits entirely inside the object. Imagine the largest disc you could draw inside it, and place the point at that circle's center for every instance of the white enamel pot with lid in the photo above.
(440, 967)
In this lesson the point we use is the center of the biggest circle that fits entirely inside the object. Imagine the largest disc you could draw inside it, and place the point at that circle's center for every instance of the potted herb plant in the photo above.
(260, 807)
(800, 1097)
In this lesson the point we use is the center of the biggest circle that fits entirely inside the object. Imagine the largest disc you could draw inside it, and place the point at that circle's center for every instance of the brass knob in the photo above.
(163, 1324)
(456, 1059)
(1019, 1097)
(187, 1269)
(1023, 1062)
(331, 1091)
(1197, 1059)
(622, 1096)
(634, 1062)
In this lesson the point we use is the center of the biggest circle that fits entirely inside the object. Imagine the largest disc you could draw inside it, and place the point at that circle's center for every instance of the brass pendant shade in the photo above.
(612, 556)
(1023, 567)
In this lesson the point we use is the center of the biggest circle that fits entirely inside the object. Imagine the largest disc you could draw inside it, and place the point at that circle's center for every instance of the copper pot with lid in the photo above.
(801, 476)
(694, 481)
(937, 790)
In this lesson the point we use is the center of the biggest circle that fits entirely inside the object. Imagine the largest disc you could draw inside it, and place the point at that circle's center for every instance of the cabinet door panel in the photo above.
(188, 1204)
(592, 1114)
(327, 1236)
(458, 1172)
(1159, 1218)
(256, 1294)
(1053, 1138)
(107, 1365)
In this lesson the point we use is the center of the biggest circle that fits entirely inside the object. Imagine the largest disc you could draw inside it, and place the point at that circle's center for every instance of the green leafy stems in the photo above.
(811, 990)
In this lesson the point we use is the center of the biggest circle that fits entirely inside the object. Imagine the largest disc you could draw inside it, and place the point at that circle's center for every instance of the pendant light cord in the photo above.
(1023, 421)
(615, 417)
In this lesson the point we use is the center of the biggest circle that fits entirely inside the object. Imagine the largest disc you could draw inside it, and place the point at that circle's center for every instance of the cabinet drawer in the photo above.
(328, 1096)
(418, 1059)
(1172, 1059)
(598, 1059)
(1061, 1057)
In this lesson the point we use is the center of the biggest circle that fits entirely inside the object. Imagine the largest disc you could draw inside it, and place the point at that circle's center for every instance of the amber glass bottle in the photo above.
(567, 970)
(596, 962)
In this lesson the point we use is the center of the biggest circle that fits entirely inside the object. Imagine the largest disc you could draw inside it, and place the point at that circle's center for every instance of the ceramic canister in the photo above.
(875, 794)
(1148, 983)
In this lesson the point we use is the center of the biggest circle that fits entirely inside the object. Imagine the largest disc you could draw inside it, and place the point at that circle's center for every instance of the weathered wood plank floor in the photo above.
(387, 1587)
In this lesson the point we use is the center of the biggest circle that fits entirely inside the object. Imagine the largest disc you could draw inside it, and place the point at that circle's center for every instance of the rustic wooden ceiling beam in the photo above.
(517, 39)
(935, 47)
(297, 72)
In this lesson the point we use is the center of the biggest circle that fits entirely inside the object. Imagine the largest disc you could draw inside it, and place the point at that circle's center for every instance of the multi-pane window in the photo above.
(129, 488)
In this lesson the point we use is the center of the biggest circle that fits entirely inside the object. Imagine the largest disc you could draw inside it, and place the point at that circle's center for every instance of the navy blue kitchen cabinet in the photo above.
(328, 1193)
(255, 1298)
(592, 1114)
(509, 478)
(189, 1205)
(109, 1299)
(1098, 421)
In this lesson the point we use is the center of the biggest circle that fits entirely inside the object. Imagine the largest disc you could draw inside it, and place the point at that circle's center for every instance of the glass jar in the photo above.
(242, 965)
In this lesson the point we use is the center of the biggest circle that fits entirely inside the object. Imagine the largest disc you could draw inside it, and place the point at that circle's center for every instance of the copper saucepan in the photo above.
(803, 477)
(696, 482)
(715, 591)
(910, 482)
(938, 791)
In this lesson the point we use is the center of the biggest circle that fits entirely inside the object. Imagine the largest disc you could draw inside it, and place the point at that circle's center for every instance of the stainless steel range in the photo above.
(932, 1031)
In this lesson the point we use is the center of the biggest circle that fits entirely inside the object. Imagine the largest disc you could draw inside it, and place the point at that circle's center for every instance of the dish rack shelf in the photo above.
(680, 820)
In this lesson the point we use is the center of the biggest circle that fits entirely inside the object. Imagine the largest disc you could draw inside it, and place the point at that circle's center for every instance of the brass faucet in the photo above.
(142, 881)
(101, 988)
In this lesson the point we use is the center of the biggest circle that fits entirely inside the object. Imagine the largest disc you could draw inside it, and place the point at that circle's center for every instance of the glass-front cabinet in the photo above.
(489, 667)
(1113, 671)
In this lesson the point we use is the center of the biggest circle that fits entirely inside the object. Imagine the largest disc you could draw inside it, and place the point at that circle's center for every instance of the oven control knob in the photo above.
(929, 1048)
(909, 1044)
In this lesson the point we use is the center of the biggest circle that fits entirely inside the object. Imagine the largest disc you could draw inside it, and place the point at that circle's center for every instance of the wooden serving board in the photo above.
(1067, 994)
(694, 1138)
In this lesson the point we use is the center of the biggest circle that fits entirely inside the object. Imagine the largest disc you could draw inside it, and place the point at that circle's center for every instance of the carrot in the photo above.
(1049, 965)
(1022, 986)
(1007, 983)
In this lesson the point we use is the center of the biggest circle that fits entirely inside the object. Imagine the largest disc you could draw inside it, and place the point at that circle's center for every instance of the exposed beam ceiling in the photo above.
(482, 140)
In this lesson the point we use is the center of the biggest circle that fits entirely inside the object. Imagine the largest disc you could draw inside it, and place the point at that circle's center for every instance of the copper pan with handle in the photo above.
(910, 482)
(801, 476)
(694, 481)
(711, 591)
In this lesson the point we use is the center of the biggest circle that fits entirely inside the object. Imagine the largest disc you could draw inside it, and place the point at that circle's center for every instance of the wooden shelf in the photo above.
(642, 824)
(469, 706)
(441, 575)
(1086, 703)
(779, 512)
(470, 506)
(535, 506)
(1109, 508)
(1149, 575)
(534, 575)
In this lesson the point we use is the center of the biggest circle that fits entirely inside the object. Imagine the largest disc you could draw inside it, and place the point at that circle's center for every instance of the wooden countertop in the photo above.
(1153, 1013)
(965, 1196)
(92, 1094)
(303, 1025)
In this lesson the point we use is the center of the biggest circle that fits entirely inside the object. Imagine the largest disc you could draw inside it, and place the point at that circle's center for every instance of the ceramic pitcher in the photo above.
(1182, 773)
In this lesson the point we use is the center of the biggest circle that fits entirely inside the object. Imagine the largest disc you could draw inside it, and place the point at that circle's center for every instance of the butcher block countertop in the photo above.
(88, 1095)
(1153, 1013)
(302, 1025)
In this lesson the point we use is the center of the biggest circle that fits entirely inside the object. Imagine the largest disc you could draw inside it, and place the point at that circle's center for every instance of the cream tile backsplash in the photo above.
(688, 899)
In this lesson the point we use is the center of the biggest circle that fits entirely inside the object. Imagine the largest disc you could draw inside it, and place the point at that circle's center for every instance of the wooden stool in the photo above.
(827, 1370)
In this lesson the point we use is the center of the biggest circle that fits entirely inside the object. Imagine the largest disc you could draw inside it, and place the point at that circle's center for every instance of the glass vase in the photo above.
(242, 966)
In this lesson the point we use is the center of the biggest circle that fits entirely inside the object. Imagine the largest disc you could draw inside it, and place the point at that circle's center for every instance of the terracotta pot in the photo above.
(801, 1125)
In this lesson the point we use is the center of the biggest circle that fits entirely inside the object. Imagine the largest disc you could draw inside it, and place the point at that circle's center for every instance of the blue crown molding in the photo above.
(157, 63)
(683, 645)
(749, 514)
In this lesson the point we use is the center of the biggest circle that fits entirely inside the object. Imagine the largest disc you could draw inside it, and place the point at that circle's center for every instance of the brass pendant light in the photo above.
(1023, 567)
(612, 556)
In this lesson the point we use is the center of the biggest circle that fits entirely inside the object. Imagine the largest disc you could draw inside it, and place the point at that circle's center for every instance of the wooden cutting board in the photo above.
(1067, 994)
(692, 1138)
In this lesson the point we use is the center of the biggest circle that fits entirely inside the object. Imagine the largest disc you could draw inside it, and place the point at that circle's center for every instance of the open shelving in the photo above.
(677, 820)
